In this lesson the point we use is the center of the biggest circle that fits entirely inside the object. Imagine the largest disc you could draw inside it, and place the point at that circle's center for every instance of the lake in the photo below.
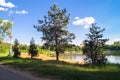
(78, 57)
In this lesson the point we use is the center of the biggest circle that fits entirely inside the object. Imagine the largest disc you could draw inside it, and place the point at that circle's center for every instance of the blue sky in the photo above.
(105, 13)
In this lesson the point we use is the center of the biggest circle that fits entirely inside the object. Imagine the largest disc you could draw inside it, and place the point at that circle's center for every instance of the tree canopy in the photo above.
(5, 29)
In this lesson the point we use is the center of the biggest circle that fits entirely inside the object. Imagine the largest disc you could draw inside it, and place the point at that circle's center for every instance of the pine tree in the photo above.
(16, 49)
(54, 30)
(93, 45)
(33, 49)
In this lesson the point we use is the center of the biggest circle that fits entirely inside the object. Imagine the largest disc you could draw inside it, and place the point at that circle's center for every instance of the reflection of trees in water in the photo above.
(113, 59)
(76, 57)
(80, 57)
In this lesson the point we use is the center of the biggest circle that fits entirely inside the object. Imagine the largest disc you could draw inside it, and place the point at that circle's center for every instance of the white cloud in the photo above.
(3, 9)
(76, 18)
(6, 4)
(85, 22)
(22, 12)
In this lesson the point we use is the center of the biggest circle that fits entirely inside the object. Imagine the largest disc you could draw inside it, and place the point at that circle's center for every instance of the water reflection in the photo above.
(113, 59)
(78, 57)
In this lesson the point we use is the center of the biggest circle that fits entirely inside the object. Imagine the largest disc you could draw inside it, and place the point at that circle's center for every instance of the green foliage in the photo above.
(5, 29)
(112, 47)
(33, 49)
(24, 47)
(4, 47)
(92, 46)
(72, 47)
(54, 30)
(64, 70)
(16, 49)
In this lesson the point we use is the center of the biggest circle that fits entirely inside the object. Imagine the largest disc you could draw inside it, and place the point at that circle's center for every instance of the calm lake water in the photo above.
(78, 57)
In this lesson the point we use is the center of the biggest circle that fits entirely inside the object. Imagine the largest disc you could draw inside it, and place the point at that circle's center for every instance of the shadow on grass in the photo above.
(64, 70)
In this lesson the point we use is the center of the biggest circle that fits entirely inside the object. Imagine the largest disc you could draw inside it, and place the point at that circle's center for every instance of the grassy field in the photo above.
(63, 70)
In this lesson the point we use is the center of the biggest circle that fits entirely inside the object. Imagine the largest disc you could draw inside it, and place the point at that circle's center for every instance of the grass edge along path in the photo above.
(64, 70)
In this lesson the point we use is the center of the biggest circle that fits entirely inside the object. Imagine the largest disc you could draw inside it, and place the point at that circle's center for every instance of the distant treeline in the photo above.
(112, 47)
(5, 47)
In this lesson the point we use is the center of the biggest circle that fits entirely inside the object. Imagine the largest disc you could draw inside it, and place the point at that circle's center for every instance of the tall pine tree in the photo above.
(54, 29)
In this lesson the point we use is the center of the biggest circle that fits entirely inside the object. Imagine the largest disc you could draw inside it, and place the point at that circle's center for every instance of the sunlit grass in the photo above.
(3, 54)
(63, 70)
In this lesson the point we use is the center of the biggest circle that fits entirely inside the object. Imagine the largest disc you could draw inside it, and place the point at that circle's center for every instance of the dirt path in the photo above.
(9, 73)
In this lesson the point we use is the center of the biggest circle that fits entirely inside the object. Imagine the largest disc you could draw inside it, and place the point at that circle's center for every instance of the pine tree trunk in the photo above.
(57, 56)
(31, 56)
(56, 50)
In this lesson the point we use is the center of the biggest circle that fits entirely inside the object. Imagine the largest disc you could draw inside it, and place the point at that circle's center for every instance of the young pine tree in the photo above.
(16, 49)
(33, 49)
(93, 45)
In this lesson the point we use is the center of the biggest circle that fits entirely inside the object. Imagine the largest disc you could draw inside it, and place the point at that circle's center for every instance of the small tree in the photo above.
(16, 49)
(93, 45)
(54, 29)
(33, 49)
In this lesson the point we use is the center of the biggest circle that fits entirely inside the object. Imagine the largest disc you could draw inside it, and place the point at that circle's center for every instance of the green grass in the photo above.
(65, 71)
(3, 54)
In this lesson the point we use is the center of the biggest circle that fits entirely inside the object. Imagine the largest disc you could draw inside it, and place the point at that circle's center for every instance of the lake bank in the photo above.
(45, 57)
(63, 70)
(72, 57)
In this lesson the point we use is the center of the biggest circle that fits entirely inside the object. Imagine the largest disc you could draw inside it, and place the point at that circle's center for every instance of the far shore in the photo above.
(45, 57)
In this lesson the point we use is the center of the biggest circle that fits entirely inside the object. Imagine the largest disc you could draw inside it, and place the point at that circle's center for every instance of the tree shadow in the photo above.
(65, 70)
